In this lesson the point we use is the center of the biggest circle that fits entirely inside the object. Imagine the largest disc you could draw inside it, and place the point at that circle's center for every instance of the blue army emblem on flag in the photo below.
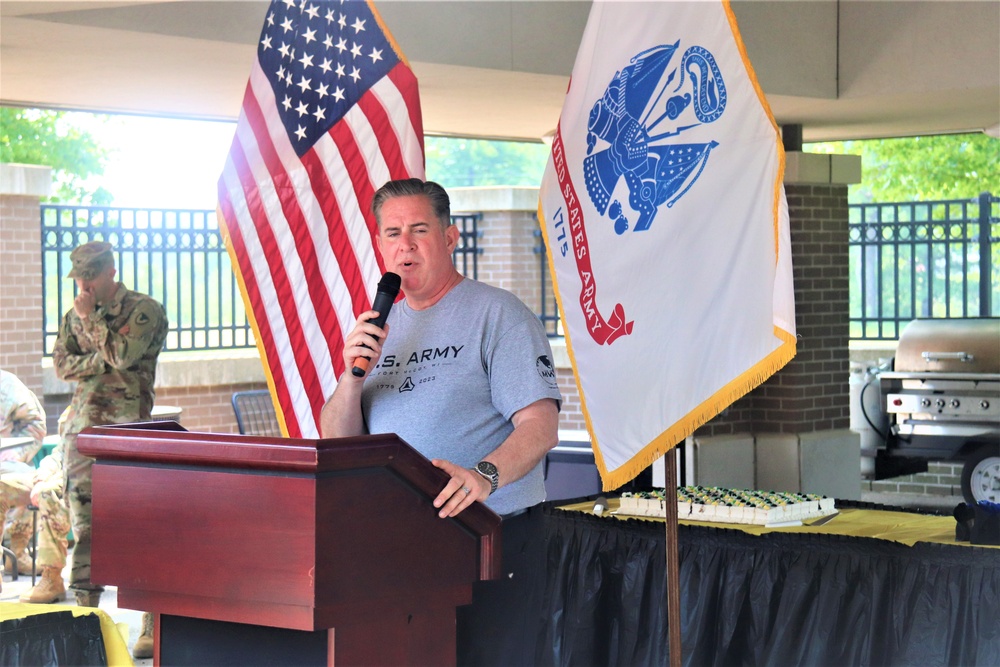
(632, 135)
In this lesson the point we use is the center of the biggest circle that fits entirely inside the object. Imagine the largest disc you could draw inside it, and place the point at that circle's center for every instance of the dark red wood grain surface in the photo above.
(311, 535)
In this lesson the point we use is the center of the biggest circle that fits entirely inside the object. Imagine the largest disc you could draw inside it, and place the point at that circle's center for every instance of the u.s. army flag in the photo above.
(664, 215)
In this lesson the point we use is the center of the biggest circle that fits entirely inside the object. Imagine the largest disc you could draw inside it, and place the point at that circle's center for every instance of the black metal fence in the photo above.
(907, 259)
(549, 314)
(177, 256)
(467, 252)
(934, 259)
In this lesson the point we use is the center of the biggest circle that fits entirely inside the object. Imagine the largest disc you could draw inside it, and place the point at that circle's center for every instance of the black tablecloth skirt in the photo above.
(598, 598)
(55, 638)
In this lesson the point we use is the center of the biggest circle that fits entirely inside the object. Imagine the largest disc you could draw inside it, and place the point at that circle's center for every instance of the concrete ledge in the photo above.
(25, 180)
(184, 369)
(830, 463)
(778, 462)
(217, 367)
(871, 353)
(723, 460)
(818, 168)
(496, 198)
(205, 369)
(560, 355)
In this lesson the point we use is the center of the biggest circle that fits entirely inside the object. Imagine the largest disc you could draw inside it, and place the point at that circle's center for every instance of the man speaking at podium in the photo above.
(462, 372)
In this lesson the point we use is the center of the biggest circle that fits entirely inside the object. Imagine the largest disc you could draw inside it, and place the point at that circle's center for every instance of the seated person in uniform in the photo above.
(21, 415)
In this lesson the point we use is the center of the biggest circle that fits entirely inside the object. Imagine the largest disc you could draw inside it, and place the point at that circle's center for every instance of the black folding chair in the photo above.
(255, 413)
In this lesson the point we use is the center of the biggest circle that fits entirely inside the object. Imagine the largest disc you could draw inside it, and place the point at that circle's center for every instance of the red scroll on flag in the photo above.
(603, 331)
(331, 112)
(664, 216)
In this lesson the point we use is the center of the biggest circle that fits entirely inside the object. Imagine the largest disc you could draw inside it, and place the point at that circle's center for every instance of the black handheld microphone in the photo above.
(388, 289)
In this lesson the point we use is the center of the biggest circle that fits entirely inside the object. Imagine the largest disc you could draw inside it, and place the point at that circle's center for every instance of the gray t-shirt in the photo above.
(452, 375)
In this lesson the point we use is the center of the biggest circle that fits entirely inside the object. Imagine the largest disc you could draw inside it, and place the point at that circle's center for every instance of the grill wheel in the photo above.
(981, 475)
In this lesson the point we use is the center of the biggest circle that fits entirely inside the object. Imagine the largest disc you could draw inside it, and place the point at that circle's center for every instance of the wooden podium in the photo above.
(255, 550)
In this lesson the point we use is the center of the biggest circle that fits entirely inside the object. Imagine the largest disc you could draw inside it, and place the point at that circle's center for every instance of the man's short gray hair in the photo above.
(409, 187)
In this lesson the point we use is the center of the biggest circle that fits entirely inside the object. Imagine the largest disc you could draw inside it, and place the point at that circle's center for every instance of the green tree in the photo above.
(947, 166)
(41, 137)
(911, 278)
(456, 162)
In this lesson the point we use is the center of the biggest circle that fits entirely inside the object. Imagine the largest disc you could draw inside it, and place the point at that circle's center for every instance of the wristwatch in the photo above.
(490, 472)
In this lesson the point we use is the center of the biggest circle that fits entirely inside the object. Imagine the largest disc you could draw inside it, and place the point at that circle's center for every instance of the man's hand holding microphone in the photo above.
(385, 296)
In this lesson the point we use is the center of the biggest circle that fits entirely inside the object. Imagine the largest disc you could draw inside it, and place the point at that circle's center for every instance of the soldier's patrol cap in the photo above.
(90, 259)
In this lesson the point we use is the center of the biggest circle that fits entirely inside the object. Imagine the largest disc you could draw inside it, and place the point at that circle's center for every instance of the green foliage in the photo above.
(40, 137)
(915, 263)
(955, 166)
(950, 166)
(456, 162)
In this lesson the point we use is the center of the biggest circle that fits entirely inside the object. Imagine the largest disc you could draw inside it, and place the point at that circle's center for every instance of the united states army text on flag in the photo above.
(663, 212)
(331, 112)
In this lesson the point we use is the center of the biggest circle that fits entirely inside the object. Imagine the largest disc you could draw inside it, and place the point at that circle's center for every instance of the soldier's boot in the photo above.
(24, 564)
(50, 589)
(19, 545)
(86, 598)
(143, 647)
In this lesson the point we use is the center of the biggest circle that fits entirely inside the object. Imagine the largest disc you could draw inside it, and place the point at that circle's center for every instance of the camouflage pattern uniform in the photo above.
(111, 354)
(21, 415)
(53, 515)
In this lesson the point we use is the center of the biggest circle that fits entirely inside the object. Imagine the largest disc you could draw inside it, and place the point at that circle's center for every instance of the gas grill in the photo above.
(942, 398)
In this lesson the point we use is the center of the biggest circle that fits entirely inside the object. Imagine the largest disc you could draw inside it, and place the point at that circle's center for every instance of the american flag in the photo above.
(330, 113)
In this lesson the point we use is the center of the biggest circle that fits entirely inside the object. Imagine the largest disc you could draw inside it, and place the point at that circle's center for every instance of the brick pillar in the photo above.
(797, 422)
(508, 238)
(21, 189)
(801, 415)
(811, 392)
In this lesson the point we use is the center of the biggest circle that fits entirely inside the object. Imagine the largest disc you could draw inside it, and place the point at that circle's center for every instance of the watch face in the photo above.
(490, 472)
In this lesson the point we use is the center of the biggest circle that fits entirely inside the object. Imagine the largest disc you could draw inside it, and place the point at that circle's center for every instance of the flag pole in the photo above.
(673, 559)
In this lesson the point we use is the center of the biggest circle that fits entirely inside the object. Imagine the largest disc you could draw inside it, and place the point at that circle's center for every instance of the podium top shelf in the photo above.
(169, 443)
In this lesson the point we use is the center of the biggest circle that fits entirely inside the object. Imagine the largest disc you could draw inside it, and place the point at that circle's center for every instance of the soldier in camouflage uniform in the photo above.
(21, 415)
(108, 344)
(44, 489)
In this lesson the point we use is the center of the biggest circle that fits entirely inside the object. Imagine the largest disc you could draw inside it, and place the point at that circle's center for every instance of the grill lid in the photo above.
(950, 346)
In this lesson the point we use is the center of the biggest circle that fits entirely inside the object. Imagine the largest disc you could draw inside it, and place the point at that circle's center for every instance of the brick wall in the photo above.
(737, 418)
(20, 296)
(508, 258)
(941, 479)
(206, 409)
(570, 416)
(811, 392)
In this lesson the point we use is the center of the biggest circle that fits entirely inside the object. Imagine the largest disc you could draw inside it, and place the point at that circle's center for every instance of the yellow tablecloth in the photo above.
(114, 643)
(903, 527)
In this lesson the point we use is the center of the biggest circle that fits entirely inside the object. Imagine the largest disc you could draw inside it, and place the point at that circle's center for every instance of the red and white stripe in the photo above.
(302, 236)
